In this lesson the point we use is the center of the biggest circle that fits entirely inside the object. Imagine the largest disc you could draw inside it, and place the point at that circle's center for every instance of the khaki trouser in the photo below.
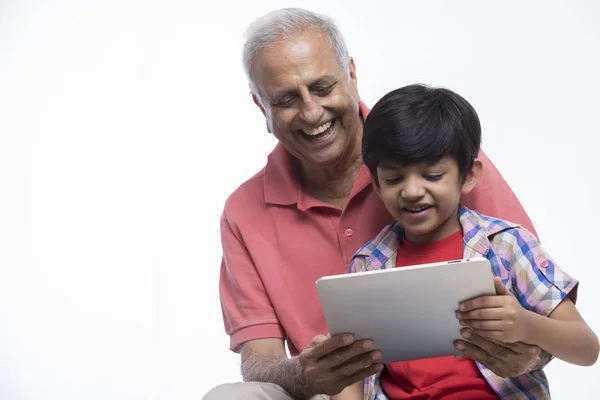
(252, 391)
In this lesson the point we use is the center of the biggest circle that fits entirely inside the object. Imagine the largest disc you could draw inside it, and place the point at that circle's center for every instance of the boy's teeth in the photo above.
(416, 209)
(319, 129)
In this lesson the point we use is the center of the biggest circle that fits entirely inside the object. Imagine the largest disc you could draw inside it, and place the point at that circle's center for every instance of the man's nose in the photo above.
(310, 110)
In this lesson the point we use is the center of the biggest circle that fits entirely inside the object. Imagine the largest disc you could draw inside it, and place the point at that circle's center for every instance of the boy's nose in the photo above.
(412, 191)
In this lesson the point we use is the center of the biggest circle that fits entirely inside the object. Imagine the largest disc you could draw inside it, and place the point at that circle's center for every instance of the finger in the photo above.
(522, 348)
(358, 363)
(321, 346)
(481, 302)
(491, 334)
(475, 353)
(487, 325)
(362, 374)
(347, 353)
(491, 346)
(500, 288)
(482, 313)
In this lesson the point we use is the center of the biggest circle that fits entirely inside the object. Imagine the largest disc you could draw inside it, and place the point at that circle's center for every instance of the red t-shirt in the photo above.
(434, 378)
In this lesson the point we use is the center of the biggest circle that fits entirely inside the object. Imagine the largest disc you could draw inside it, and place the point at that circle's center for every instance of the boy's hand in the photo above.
(499, 317)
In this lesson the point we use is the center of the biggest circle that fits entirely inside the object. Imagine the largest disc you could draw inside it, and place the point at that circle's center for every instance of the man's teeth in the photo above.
(318, 130)
(416, 210)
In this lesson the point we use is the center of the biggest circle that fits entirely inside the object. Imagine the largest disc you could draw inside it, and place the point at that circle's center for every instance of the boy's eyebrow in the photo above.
(390, 165)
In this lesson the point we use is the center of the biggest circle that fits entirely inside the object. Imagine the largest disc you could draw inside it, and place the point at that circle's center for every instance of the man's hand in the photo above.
(499, 317)
(506, 360)
(329, 364)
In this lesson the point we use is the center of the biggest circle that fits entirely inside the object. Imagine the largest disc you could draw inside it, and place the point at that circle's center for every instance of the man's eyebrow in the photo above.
(324, 80)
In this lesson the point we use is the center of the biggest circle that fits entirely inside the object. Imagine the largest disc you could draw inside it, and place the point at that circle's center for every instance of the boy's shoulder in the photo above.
(481, 229)
(377, 251)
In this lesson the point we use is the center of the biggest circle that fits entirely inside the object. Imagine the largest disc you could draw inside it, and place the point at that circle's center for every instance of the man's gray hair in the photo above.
(287, 22)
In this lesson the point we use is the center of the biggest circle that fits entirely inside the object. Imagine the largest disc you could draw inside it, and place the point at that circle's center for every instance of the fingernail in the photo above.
(459, 346)
(368, 345)
(462, 307)
(458, 314)
(376, 356)
(348, 339)
(462, 322)
(466, 334)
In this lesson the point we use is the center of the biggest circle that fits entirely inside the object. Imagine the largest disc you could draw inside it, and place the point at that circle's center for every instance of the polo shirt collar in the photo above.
(281, 182)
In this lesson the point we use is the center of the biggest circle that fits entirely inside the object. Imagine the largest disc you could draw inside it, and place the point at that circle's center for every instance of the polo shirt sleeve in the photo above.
(493, 196)
(247, 311)
(538, 282)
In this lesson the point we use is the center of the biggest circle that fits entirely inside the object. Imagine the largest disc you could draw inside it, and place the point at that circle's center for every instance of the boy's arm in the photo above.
(352, 392)
(564, 334)
(544, 314)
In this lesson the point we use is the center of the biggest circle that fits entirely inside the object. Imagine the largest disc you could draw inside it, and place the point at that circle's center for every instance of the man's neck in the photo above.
(331, 185)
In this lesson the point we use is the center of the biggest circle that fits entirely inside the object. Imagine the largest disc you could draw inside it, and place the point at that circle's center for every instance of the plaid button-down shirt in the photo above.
(516, 257)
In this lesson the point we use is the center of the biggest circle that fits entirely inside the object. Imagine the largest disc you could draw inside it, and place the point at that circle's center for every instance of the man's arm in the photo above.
(265, 360)
(326, 366)
(493, 196)
(244, 300)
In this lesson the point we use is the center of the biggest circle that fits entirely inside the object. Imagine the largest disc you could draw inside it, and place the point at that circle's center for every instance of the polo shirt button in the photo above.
(349, 232)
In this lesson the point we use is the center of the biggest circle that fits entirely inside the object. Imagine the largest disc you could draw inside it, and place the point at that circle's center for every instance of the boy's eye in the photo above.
(433, 177)
(393, 181)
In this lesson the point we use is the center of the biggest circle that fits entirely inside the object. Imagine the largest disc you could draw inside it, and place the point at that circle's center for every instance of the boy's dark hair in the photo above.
(418, 123)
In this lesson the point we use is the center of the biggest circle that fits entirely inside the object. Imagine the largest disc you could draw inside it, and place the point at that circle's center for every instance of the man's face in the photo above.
(310, 103)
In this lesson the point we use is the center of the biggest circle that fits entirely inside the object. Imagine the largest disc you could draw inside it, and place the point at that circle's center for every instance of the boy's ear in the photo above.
(472, 178)
(375, 185)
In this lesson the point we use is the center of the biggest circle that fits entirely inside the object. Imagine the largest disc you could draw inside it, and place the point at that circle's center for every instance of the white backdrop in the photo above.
(125, 124)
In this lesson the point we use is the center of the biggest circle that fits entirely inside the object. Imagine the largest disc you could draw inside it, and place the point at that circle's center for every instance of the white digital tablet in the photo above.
(408, 312)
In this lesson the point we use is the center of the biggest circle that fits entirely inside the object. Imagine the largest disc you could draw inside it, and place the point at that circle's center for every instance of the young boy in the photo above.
(421, 146)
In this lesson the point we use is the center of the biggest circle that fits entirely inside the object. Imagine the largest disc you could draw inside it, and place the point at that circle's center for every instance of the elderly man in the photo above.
(305, 214)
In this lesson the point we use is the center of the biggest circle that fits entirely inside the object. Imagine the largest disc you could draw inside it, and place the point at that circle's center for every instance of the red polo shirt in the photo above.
(277, 241)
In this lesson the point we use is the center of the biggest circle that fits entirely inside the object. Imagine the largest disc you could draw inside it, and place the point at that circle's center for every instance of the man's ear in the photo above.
(262, 109)
(352, 72)
(472, 178)
(258, 103)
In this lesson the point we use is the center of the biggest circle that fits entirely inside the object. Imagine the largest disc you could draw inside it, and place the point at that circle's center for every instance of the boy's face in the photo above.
(424, 198)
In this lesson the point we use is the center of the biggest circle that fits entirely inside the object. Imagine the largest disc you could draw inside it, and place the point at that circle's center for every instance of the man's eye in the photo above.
(433, 177)
(323, 89)
(284, 102)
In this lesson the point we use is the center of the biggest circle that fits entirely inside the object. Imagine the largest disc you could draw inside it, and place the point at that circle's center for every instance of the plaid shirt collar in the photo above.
(477, 229)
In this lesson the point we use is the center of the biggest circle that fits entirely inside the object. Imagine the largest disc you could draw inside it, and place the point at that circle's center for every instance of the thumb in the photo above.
(501, 290)
(317, 339)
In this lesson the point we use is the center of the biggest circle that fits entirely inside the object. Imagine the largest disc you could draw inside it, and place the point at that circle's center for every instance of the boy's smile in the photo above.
(424, 198)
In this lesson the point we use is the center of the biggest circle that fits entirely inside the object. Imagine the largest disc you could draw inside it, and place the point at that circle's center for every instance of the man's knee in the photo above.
(225, 391)
(247, 390)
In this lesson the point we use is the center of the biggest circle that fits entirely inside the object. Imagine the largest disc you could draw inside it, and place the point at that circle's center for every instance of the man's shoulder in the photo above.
(247, 197)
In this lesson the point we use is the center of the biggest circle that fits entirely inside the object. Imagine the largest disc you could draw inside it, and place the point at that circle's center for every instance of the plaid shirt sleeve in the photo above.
(539, 284)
